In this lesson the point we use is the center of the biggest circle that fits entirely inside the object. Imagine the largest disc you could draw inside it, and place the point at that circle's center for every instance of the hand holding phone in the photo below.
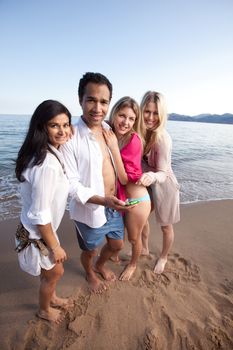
(131, 202)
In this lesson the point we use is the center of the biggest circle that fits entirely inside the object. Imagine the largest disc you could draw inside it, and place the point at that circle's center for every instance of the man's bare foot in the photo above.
(106, 273)
(53, 315)
(145, 252)
(95, 284)
(64, 303)
(160, 265)
(115, 259)
(127, 273)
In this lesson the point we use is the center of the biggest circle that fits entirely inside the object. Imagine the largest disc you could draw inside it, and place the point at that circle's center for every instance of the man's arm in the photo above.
(81, 193)
(108, 201)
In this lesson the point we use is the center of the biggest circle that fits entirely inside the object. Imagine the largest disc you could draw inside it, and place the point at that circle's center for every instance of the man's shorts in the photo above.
(90, 238)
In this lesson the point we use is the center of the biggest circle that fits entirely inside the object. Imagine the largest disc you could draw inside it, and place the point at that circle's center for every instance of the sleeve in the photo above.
(42, 179)
(132, 157)
(77, 190)
(162, 158)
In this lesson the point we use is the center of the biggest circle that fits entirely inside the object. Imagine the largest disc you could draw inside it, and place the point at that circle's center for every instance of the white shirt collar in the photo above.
(84, 130)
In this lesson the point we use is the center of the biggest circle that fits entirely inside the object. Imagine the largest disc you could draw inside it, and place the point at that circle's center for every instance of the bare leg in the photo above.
(115, 257)
(146, 228)
(64, 303)
(94, 282)
(145, 239)
(131, 267)
(109, 249)
(48, 282)
(168, 239)
(135, 221)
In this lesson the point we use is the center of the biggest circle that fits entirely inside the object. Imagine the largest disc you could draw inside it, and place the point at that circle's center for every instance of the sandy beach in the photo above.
(189, 306)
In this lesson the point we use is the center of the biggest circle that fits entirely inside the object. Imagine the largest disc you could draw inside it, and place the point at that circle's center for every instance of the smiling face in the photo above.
(151, 116)
(58, 129)
(124, 121)
(95, 103)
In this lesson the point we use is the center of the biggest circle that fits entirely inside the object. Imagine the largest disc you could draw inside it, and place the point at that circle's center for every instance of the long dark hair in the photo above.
(35, 145)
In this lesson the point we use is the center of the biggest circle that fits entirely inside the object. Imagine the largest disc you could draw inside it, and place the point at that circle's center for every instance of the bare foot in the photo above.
(115, 259)
(52, 315)
(95, 284)
(64, 303)
(145, 252)
(160, 265)
(127, 273)
(106, 273)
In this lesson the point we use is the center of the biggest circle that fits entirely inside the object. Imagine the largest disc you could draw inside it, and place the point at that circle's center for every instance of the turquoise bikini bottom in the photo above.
(141, 199)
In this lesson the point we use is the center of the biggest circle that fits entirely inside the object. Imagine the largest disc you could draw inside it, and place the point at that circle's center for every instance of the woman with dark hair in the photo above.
(44, 191)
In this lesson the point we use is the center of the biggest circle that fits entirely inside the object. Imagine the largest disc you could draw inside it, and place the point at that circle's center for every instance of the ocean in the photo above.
(202, 160)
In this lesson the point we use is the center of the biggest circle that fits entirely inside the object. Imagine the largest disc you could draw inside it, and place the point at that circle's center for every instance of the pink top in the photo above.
(131, 155)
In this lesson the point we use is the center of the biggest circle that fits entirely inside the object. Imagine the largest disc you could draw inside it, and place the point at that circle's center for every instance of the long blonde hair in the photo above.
(152, 136)
(123, 102)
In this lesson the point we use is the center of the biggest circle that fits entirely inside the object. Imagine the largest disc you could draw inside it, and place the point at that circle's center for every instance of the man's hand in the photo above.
(117, 204)
(110, 202)
(114, 203)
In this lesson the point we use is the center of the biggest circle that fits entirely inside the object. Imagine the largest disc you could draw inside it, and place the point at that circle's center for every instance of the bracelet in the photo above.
(55, 247)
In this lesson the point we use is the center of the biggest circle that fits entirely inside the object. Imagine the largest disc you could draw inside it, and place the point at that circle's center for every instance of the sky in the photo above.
(181, 48)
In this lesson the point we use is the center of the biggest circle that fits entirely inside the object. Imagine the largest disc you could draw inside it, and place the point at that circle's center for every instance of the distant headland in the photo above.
(226, 118)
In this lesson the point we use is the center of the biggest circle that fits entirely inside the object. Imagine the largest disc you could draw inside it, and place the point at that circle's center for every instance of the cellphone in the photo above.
(132, 202)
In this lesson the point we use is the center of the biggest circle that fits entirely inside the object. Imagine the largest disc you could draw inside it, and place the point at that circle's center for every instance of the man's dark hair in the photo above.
(96, 78)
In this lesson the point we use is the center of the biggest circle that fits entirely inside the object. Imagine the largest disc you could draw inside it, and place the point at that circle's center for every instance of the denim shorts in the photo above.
(90, 238)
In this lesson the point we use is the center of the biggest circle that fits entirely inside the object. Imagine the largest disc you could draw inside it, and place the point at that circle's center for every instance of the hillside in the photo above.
(226, 118)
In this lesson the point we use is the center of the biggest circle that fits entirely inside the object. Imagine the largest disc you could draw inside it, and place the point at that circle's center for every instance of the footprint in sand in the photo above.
(80, 307)
(185, 342)
(227, 286)
(183, 269)
(224, 306)
(45, 335)
(177, 269)
(151, 280)
(150, 340)
(218, 337)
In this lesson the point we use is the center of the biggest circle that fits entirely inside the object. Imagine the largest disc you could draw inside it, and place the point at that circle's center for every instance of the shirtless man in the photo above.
(89, 167)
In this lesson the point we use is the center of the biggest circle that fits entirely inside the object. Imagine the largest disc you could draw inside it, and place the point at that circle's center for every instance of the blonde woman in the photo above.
(158, 173)
(126, 148)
